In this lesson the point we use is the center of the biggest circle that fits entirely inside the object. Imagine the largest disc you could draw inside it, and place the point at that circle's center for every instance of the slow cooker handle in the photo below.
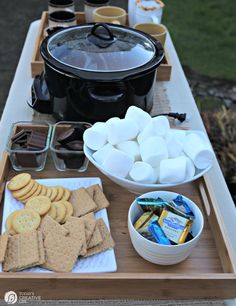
(99, 39)
(112, 98)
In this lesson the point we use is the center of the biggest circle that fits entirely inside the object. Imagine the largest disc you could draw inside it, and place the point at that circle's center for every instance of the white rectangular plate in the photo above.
(102, 262)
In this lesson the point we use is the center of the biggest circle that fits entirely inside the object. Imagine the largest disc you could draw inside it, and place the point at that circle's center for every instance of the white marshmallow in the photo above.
(122, 130)
(190, 169)
(141, 117)
(97, 123)
(96, 136)
(174, 146)
(118, 163)
(130, 147)
(173, 171)
(113, 119)
(153, 150)
(158, 126)
(146, 133)
(161, 125)
(198, 150)
(156, 175)
(100, 155)
(142, 172)
(178, 134)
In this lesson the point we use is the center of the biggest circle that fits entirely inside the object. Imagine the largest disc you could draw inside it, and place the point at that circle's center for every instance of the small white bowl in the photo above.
(164, 254)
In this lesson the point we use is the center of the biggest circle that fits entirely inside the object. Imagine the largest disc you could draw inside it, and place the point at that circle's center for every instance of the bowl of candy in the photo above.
(142, 154)
(164, 227)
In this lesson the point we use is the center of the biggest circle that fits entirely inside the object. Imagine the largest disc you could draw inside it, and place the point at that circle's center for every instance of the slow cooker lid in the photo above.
(101, 47)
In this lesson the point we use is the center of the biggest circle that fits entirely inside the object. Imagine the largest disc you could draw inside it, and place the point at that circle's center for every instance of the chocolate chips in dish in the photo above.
(28, 140)
(70, 143)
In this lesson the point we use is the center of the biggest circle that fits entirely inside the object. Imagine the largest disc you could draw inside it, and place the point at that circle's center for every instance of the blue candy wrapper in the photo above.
(157, 232)
(151, 204)
(180, 204)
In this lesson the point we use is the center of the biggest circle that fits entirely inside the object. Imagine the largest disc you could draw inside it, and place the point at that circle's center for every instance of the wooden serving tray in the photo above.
(210, 272)
(163, 72)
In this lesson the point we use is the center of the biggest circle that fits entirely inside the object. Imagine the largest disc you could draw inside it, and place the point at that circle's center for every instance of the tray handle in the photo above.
(4, 168)
(205, 199)
(210, 204)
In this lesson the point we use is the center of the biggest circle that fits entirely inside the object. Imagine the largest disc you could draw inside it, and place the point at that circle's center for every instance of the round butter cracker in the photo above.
(49, 192)
(26, 220)
(43, 191)
(53, 194)
(8, 224)
(37, 192)
(30, 193)
(40, 204)
(66, 194)
(69, 210)
(52, 212)
(23, 191)
(19, 181)
(61, 211)
(60, 192)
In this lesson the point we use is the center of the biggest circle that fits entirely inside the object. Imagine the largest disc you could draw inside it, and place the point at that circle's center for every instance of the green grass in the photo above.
(204, 34)
(208, 103)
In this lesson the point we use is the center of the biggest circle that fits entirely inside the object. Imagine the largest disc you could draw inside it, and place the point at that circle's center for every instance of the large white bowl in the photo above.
(140, 187)
(164, 254)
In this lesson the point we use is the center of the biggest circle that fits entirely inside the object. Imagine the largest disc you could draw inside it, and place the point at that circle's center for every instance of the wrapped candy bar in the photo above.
(180, 204)
(175, 227)
(157, 232)
(143, 219)
(150, 204)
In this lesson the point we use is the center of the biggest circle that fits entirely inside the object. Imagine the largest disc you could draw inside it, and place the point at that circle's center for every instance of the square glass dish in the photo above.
(28, 145)
(67, 146)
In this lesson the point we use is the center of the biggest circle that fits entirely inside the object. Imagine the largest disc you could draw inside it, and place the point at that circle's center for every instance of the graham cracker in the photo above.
(48, 225)
(22, 252)
(96, 238)
(41, 248)
(11, 261)
(77, 231)
(107, 243)
(90, 226)
(89, 216)
(61, 252)
(98, 196)
(3, 246)
(82, 202)
(89, 222)
(62, 244)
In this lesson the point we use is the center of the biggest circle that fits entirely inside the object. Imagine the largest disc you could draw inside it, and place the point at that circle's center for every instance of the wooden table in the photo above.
(181, 100)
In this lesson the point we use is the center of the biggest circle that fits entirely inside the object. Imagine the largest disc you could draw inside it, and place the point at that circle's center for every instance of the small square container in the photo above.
(28, 159)
(66, 159)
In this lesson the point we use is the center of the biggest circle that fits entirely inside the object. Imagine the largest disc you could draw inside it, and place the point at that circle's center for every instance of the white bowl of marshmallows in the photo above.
(141, 153)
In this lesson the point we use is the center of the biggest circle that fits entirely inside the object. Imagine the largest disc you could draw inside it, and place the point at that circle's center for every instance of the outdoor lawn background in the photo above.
(204, 33)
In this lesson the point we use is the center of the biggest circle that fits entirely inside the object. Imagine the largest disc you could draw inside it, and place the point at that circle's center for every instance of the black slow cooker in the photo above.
(96, 71)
